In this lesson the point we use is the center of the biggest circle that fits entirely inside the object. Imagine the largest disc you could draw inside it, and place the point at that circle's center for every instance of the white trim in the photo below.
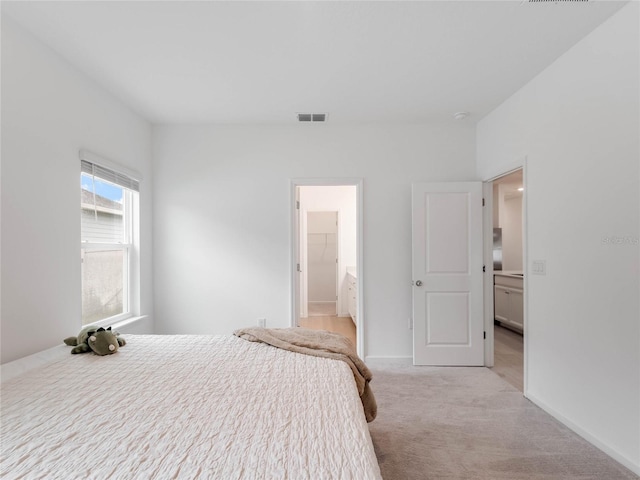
(390, 357)
(88, 156)
(118, 321)
(512, 167)
(595, 441)
(508, 172)
(399, 360)
(135, 305)
(128, 321)
(525, 280)
(309, 182)
(110, 321)
(487, 223)
(86, 245)
(360, 310)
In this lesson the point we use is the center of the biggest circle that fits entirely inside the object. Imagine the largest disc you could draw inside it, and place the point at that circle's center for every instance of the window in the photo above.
(109, 253)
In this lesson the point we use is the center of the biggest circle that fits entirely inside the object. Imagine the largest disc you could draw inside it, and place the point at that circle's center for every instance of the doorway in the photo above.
(326, 286)
(508, 276)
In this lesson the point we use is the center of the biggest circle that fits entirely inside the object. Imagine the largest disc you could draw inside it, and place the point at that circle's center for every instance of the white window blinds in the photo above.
(117, 178)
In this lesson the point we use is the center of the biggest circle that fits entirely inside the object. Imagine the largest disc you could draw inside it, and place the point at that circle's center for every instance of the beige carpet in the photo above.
(468, 423)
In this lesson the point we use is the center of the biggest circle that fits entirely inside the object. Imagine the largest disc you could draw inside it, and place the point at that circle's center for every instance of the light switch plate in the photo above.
(539, 267)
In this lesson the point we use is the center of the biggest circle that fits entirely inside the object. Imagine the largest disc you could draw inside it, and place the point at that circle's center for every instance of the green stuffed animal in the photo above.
(96, 340)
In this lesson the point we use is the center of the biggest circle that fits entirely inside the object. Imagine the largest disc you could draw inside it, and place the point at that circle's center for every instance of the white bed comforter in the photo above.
(186, 407)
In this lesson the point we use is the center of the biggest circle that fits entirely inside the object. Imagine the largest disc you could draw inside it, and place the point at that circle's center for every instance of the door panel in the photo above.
(447, 318)
(447, 274)
(446, 217)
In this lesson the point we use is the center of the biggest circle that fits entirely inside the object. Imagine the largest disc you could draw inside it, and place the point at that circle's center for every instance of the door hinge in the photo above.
(485, 335)
(297, 205)
(484, 268)
(298, 267)
(483, 202)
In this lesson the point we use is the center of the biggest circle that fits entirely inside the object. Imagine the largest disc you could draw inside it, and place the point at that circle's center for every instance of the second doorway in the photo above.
(328, 252)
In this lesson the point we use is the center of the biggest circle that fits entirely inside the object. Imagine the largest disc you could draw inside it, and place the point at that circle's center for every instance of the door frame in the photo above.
(489, 353)
(295, 248)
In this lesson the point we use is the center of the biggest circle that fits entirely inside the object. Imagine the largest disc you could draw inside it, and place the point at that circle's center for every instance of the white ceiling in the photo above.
(261, 62)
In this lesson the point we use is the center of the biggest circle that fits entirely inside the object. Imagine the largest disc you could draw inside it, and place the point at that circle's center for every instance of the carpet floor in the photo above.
(468, 423)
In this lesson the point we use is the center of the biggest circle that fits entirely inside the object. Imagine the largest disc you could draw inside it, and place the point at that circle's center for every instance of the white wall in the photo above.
(49, 112)
(222, 218)
(343, 200)
(578, 125)
(511, 214)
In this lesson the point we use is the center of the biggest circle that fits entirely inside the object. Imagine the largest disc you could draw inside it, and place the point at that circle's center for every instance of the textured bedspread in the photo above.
(186, 407)
(319, 343)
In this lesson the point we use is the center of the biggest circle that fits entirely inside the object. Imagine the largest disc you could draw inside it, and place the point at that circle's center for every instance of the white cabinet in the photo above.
(508, 301)
(352, 296)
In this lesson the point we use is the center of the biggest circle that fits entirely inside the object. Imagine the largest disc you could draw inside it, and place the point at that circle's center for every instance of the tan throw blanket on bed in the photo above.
(319, 343)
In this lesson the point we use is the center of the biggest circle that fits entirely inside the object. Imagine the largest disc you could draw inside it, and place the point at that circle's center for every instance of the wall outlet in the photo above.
(262, 322)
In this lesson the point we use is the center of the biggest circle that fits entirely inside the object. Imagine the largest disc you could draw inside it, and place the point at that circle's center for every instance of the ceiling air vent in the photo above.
(312, 117)
(558, 1)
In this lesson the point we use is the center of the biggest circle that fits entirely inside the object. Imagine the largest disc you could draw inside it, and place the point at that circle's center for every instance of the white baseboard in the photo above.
(391, 359)
(612, 452)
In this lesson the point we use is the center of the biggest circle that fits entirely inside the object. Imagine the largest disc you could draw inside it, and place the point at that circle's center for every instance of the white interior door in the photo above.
(447, 274)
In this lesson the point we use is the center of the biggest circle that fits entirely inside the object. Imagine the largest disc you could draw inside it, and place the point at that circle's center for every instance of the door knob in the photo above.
(419, 283)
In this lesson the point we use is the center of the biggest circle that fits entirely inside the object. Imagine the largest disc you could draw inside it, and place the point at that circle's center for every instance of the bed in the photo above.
(184, 406)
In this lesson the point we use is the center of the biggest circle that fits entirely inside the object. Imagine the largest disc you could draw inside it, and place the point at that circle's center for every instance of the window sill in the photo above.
(117, 321)
(128, 321)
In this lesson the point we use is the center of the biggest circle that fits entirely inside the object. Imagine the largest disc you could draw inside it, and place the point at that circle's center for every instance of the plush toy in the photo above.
(96, 340)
